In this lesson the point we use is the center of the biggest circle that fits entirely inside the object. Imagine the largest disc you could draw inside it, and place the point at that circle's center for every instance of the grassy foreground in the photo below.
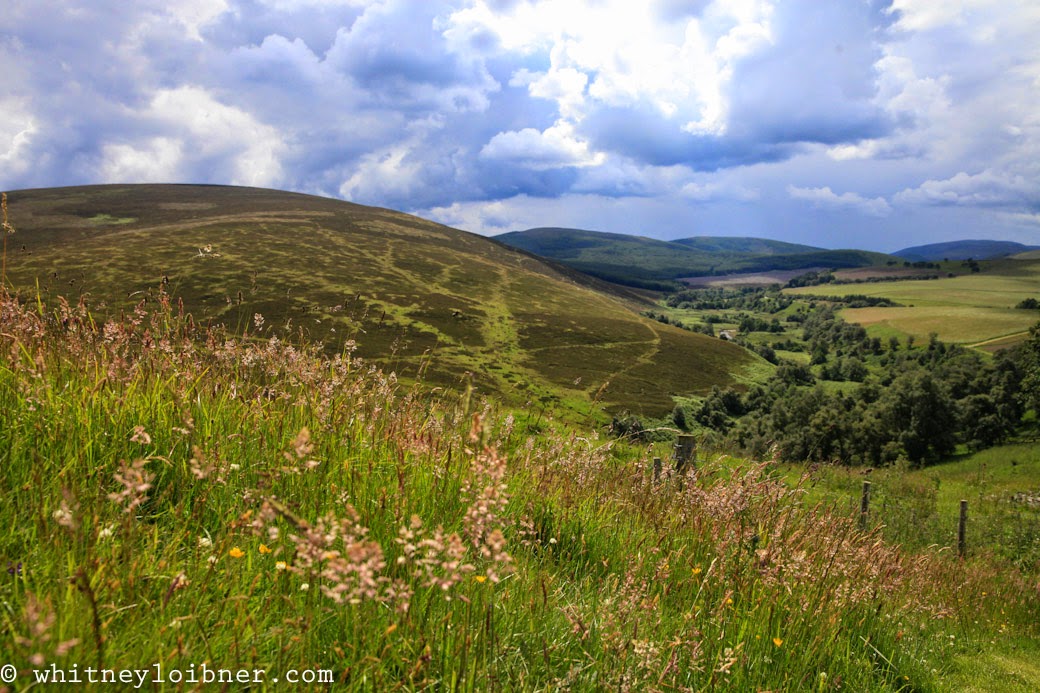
(201, 501)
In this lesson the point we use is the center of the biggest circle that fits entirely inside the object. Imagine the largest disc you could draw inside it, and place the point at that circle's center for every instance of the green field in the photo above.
(409, 294)
(919, 509)
(971, 309)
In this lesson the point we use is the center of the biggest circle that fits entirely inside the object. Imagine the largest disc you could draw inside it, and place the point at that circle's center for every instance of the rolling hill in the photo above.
(964, 250)
(412, 294)
(618, 257)
(650, 263)
(744, 245)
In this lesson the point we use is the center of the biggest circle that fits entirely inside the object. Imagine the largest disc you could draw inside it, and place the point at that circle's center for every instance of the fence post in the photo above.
(657, 469)
(685, 447)
(962, 531)
(864, 506)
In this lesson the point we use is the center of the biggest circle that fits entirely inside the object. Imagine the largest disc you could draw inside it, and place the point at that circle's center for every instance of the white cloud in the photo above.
(627, 54)
(922, 15)
(566, 86)
(1027, 219)
(390, 172)
(277, 56)
(199, 132)
(156, 160)
(827, 199)
(986, 189)
(17, 127)
(711, 191)
(405, 55)
(553, 147)
(978, 16)
(195, 14)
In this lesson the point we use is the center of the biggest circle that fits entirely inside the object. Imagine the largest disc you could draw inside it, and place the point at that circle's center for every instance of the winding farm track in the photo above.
(1005, 340)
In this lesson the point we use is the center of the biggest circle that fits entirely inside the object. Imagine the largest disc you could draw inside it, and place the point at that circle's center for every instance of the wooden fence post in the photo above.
(962, 531)
(657, 469)
(864, 506)
(685, 447)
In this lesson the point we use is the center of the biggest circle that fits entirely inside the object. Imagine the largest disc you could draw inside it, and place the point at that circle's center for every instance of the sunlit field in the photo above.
(969, 309)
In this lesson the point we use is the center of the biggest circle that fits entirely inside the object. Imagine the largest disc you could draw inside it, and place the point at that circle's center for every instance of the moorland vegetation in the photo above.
(412, 295)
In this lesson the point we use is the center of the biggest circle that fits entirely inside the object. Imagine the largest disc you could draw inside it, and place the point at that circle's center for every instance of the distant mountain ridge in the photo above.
(745, 244)
(653, 263)
(963, 250)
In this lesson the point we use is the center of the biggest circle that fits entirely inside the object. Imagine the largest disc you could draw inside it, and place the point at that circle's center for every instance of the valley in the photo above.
(308, 434)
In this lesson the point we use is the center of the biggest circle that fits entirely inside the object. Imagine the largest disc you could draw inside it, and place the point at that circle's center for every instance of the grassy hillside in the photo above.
(640, 261)
(972, 309)
(744, 245)
(411, 294)
(963, 250)
(176, 497)
(615, 256)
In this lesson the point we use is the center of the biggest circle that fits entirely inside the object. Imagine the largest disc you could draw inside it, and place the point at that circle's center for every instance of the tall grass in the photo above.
(185, 496)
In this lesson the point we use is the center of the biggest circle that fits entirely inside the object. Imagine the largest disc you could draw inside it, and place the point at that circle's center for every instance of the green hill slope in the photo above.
(963, 250)
(612, 256)
(412, 294)
(744, 245)
(646, 262)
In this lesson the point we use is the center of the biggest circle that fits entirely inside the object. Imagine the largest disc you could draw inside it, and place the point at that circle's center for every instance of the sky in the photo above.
(839, 123)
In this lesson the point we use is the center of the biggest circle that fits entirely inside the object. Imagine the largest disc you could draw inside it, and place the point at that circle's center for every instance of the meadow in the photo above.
(191, 497)
(919, 509)
(970, 309)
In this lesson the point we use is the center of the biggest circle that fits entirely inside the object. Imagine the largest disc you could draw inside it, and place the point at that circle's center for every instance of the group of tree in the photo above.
(754, 299)
(913, 404)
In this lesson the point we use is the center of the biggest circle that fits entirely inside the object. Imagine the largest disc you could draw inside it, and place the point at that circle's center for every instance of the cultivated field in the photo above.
(746, 278)
(971, 309)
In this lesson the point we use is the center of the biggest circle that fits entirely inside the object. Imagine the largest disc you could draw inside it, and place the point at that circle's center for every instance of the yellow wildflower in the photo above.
(236, 552)
(778, 642)
(264, 549)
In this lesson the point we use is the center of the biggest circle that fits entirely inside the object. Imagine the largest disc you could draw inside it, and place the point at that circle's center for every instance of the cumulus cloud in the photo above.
(827, 199)
(714, 112)
(399, 54)
(17, 128)
(203, 139)
(985, 189)
(708, 192)
(550, 148)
